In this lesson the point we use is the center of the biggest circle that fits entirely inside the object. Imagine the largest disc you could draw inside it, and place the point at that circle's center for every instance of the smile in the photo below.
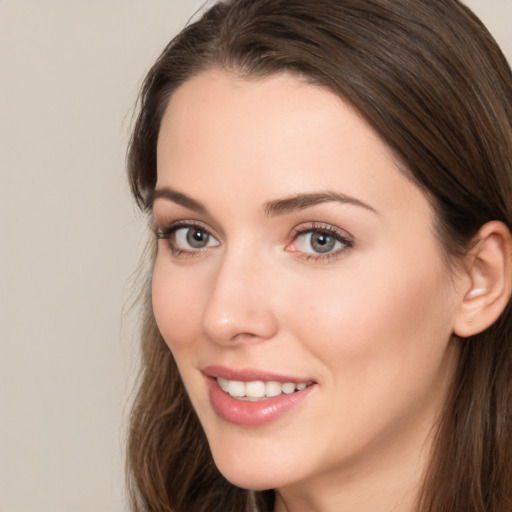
(253, 398)
(258, 389)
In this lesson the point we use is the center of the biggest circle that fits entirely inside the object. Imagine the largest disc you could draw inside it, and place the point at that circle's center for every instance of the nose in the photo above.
(239, 307)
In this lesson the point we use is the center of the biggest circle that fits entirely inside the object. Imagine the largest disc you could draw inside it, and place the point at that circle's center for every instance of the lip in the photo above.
(249, 374)
(249, 413)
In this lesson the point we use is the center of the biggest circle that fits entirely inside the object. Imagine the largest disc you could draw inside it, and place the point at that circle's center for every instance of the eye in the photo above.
(183, 238)
(319, 242)
(193, 238)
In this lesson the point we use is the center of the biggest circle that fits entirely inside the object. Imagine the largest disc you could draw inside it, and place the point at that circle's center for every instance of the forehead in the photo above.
(220, 105)
(226, 136)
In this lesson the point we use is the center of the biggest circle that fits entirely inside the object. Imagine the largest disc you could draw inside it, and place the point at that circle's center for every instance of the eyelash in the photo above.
(344, 239)
(167, 233)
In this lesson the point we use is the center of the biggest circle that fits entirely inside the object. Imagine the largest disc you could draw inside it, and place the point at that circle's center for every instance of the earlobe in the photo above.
(489, 268)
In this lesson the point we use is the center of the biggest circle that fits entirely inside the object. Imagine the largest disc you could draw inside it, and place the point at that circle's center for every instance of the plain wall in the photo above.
(70, 239)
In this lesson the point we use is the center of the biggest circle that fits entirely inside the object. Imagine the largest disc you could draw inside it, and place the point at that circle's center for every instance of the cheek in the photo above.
(382, 317)
(176, 304)
(380, 340)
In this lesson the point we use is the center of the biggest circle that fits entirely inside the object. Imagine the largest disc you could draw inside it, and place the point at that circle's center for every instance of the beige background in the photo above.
(70, 239)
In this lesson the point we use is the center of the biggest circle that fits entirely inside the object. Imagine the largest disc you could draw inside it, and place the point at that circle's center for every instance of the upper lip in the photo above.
(249, 374)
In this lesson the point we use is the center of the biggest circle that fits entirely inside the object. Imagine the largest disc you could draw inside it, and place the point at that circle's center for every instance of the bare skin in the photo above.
(314, 257)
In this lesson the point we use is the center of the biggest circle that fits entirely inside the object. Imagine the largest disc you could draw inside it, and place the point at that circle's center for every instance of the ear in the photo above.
(489, 271)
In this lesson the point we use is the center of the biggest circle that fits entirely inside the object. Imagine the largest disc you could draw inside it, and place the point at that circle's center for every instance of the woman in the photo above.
(329, 321)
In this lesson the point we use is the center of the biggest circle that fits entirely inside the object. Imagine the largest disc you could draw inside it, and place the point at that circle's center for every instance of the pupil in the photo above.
(197, 238)
(322, 242)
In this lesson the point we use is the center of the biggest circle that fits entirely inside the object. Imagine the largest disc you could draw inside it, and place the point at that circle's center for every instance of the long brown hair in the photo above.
(430, 79)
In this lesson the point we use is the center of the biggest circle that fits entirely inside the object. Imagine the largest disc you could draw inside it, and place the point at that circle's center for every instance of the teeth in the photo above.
(255, 389)
(288, 388)
(223, 383)
(236, 388)
(258, 388)
(273, 389)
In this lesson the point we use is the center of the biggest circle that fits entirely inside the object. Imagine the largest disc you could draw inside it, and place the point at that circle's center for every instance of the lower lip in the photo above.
(253, 414)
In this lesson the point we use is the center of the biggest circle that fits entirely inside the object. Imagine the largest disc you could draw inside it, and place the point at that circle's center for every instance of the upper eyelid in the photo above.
(302, 228)
(328, 228)
(164, 221)
(184, 223)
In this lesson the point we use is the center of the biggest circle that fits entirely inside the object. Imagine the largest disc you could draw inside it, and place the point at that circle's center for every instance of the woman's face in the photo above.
(297, 262)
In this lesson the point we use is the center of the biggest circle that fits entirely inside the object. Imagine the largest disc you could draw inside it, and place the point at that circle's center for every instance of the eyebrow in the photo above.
(178, 198)
(273, 208)
(303, 201)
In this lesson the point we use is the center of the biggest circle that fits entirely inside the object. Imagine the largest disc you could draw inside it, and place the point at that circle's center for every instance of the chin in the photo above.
(255, 469)
(251, 480)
